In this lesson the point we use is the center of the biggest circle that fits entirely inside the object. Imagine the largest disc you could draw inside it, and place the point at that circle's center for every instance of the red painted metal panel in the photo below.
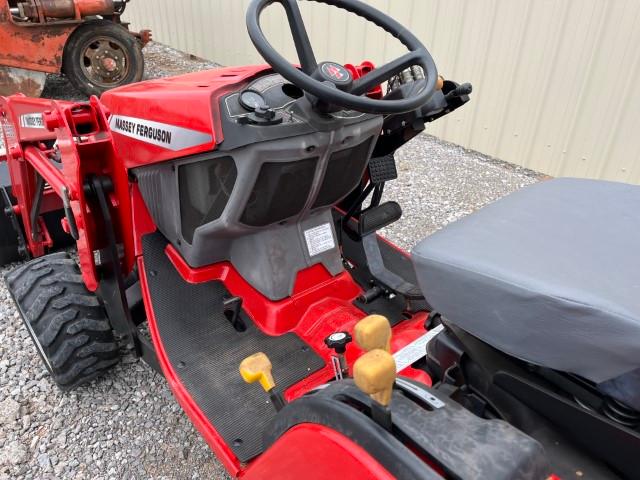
(325, 307)
(314, 452)
(188, 101)
(209, 433)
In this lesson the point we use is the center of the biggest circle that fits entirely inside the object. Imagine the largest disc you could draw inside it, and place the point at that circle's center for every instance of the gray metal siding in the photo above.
(556, 81)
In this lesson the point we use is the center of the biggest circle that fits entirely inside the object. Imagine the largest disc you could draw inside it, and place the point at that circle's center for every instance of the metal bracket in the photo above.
(232, 310)
(148, 354)
(420, 393)
(35, 208)
(111, 287)
(337, 367)
(382, 275)
(23, 251)
(68, 212)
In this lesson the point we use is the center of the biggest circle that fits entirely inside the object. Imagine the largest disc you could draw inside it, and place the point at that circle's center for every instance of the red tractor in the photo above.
(235, 213)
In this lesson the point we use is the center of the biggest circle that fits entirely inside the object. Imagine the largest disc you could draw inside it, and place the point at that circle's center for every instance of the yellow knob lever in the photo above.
(257, 368)
(374, 374)
(373, 332)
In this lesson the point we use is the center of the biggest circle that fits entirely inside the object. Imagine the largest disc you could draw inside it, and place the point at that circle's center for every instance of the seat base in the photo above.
(549, 274)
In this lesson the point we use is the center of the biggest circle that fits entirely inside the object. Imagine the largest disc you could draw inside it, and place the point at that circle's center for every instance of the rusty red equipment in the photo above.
(84, 39)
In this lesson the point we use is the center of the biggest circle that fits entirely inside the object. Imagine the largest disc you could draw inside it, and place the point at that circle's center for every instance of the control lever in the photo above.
(373, 332)
(232, 308)
(374, 374)
(459, 91)
(338, 343)
(257, 368)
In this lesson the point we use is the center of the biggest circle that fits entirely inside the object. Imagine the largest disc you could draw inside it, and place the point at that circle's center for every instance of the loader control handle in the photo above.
(330, 82)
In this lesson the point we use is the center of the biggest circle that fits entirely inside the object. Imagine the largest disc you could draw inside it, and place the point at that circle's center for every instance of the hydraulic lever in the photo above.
(373, 332)
(375, 372)
(257, 368)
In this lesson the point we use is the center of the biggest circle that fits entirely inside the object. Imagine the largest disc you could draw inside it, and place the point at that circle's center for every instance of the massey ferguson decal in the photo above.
(32, 120)
(160, 134)
(335, 71)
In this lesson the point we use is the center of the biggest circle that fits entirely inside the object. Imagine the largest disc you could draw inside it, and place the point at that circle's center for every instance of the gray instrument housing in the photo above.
(269, 257)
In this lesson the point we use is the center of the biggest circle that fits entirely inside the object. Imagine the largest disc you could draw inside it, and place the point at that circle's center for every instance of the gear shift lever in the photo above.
(375, 373)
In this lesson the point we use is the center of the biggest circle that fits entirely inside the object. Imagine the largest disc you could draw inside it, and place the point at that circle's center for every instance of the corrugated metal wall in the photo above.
(556, 81)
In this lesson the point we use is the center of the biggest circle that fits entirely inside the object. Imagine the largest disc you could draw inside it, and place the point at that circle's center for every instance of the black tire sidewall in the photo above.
(72, 68)
(39, 348)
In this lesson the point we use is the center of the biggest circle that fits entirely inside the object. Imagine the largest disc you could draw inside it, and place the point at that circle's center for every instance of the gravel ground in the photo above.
(127, 425)
(439, 182)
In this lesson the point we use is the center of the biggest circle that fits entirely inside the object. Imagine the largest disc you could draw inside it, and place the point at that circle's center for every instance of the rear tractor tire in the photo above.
(66, 322)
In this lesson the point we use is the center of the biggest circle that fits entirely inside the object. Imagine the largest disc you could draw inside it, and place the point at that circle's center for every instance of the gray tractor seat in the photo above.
(550, 275)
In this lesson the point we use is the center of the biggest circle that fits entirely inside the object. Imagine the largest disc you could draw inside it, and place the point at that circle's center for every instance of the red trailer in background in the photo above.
(84, 39)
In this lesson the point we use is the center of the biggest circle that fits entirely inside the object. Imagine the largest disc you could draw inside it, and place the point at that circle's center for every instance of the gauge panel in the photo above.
(251, 100)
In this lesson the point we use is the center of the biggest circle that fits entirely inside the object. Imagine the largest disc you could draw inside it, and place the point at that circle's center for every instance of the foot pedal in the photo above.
(383, 169)
(375, 218)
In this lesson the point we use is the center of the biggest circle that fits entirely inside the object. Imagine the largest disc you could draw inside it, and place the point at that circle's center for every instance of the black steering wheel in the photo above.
(331, 82)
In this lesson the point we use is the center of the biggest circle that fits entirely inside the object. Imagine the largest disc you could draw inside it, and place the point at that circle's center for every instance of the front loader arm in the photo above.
(53, 149)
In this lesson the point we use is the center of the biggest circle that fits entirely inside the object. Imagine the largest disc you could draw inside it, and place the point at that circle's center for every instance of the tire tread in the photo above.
(69, 321)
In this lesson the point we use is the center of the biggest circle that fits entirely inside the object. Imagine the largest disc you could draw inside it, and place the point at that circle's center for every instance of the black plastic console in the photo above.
(461, 444)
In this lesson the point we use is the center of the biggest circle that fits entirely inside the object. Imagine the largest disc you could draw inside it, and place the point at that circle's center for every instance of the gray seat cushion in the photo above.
(549, 274)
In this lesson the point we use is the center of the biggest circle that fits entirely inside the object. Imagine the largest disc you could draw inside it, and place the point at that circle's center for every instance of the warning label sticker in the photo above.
(415, 350)
(8, 131)
(319, 239)
(32, 120)
(160, 134)
(3, 151)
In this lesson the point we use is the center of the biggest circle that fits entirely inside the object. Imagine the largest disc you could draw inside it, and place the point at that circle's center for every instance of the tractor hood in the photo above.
(170, 118)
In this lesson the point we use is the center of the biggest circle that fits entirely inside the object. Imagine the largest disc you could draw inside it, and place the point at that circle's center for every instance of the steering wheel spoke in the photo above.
(384, 73)
(300, 37)
(338, 90)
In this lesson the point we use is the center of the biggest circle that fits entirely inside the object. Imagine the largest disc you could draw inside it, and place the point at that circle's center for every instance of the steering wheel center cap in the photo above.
(336, 74)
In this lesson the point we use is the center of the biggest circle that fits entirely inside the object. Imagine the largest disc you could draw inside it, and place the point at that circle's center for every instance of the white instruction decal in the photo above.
(32, 120)
(319, 239)
(8, 131)
(160, 134)
(415, 350)
(3, 151)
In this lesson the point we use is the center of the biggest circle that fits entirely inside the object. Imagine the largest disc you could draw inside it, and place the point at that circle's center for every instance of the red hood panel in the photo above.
(174, 117)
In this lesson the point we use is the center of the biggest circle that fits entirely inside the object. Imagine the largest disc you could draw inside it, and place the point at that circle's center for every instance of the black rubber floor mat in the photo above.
(206, 351)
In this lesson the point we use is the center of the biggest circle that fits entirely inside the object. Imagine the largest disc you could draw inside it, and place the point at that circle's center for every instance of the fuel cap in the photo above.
(338, 341)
